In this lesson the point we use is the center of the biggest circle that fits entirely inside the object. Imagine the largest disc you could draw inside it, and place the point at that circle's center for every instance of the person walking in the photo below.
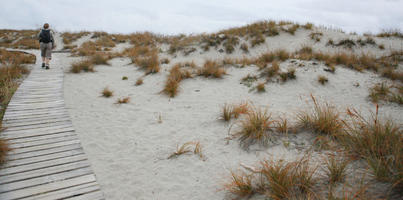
(47, 43)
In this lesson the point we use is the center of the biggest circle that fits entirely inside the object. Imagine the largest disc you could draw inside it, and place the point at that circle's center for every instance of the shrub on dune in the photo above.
(84, 65)
(256, 127)
(212, 69)
(322, 118)
(379, 142)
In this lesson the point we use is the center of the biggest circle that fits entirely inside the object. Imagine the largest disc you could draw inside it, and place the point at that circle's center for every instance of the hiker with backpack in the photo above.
(47, 43)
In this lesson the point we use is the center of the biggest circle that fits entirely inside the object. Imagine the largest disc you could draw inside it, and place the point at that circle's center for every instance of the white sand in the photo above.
(128, 147)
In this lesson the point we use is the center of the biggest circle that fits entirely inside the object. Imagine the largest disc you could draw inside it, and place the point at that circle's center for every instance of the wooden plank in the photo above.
(33, 115)
(42, 142)
(43, 152)
(26, 161)
(44, 179)
(89, 196)
(43, 172)
(40, 189)
(30, 123)
(49, 125)
(42, 165)
(41, 137)
(35, 133)
(67, 192)
(35, 118)
(42, 147)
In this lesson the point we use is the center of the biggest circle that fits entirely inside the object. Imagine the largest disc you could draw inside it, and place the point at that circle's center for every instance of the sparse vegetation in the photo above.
(256, 127)
(84, 65)
(244, 47)
(275, 180)
(106, 92)
(260, 87)
(379, 142)
(11, 72)
(316, 36)
(125, 78)
(212, 69)
(336, 168)
(139, 82)
(385, 92)
(322, 79)
(322, 118)
(123, 100)
(186, 148)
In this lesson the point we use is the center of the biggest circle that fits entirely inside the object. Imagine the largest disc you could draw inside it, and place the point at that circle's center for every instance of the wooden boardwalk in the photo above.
(47, 160)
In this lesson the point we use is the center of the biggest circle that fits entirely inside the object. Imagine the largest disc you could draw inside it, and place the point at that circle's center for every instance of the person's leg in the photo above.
(43, 54)
(48, 54)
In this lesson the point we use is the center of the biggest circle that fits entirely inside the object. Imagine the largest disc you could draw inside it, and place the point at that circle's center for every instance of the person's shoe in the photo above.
(47, 67)
(43, 65)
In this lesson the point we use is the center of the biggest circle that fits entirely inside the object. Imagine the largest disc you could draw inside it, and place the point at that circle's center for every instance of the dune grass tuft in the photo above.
(322, 79)
(123, 100)
(260, 87)
(139, 81)
(322, 118)
(256, 127)
(240, 184)
(187, 148)
(379, 142)
(106, 92)
(212, 69)
(4, 149)
(336, 168)
(84, 65)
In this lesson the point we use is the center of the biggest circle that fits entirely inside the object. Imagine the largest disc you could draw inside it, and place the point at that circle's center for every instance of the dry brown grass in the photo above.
(139, 82)
(187, 148)
(69, 38)
(106, 92)
(14, 57)
(123, 100)
(84, 65)
(100, 59)
(390, 33)
(240, 184)
(322, 79)
(11, 71)
(322, 118)
(379, 142)
(335, 169)
(244, 47)
(4, 149)
(256, 127)
(212, 69)
(260, 87)
(145, 58)
(230, 111)
(276, 180)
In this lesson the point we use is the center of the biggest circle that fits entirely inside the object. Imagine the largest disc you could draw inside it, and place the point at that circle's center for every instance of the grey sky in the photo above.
(196, 16)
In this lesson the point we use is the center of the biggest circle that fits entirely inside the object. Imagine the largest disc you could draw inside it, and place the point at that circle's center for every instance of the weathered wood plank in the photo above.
(67, 192)
(43, 172)
(89, 196)
(40, 137)
(42, 165)
(42, 142)
(35, 133)
(43, 152)
(43, 147)
(44, 179)
(30, 160)
(50, 187)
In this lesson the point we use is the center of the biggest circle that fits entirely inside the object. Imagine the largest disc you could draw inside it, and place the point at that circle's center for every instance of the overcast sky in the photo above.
(196, 16)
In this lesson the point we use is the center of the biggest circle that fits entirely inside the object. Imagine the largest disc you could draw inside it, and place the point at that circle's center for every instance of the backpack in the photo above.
(45, 36)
